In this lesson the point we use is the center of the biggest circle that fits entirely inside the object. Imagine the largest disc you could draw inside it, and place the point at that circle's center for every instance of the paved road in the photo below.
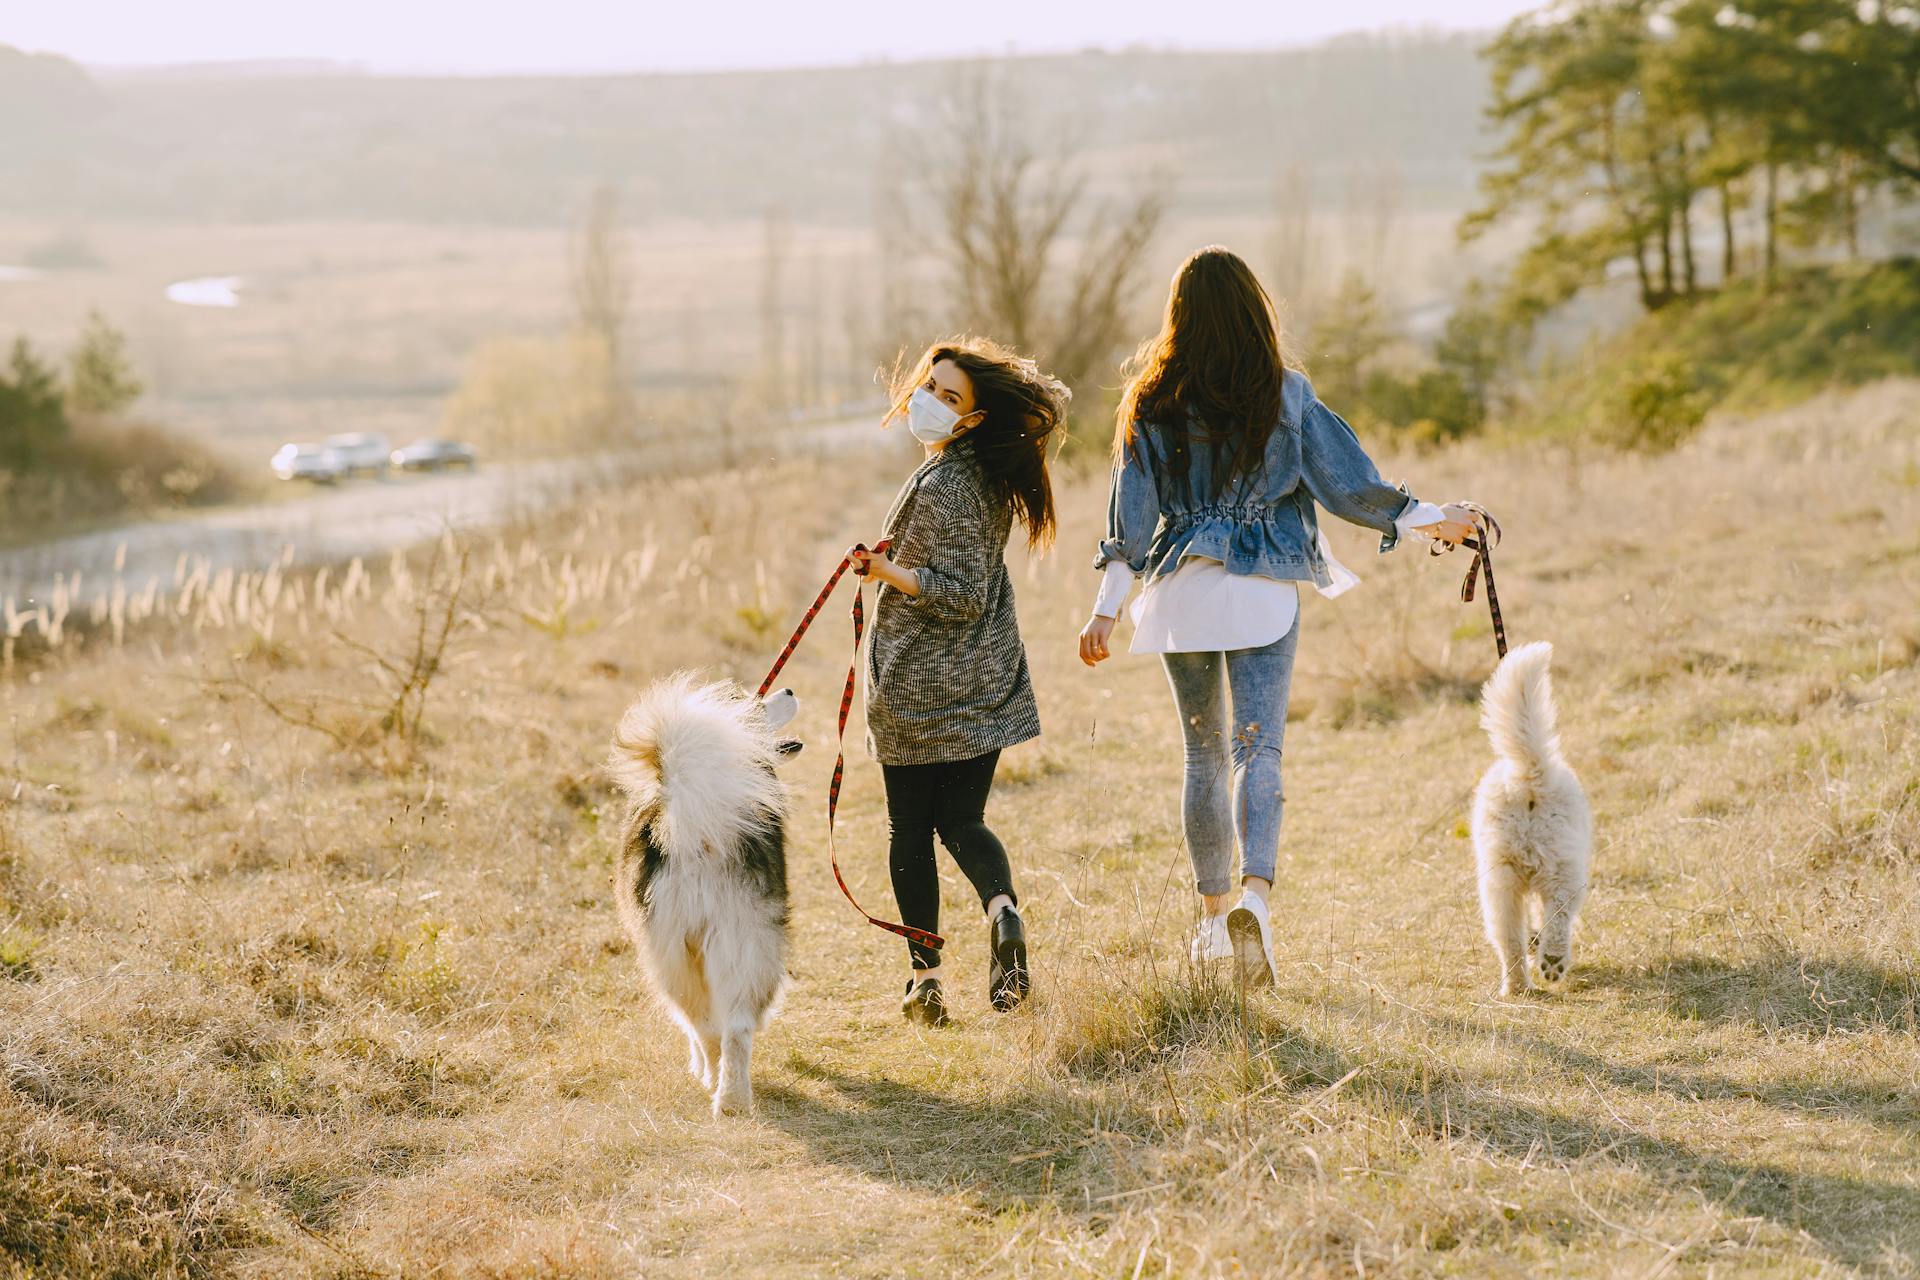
(366, 517)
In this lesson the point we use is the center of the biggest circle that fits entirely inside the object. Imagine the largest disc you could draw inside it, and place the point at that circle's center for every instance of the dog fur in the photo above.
(1532, 828)
(702, 878)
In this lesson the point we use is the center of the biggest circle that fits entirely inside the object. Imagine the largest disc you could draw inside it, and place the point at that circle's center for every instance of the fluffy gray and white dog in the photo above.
(1532, 829)
(702, 877)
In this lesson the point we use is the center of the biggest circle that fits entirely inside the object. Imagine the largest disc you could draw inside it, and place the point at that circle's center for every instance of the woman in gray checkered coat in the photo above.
(947, 681)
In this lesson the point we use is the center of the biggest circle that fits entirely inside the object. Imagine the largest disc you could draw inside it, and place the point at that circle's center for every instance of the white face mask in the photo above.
(930, 419)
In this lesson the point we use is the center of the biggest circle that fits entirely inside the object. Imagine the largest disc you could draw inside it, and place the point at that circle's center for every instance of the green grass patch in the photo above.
(1748, 346)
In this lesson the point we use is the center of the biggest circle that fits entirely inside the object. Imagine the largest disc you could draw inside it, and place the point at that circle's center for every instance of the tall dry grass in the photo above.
(272, 1005)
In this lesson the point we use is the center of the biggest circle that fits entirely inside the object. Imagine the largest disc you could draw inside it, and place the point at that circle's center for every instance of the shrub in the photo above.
(533, 394)
(1660, 408)
(103, 469)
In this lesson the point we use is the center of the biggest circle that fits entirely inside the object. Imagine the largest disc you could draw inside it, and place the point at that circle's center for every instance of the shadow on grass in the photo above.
(1126, 1087)
(1086, 1140)
(1044, 1146)
(1858, 1221)
(1799, 995)
(1890, 1107)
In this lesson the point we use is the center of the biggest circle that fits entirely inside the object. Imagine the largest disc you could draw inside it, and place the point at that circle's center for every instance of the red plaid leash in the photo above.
(1482, 548)
(906, 931)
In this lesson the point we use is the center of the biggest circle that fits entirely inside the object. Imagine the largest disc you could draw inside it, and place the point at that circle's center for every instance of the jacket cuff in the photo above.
(939, 595)
(1391, 539)
(1112, 551)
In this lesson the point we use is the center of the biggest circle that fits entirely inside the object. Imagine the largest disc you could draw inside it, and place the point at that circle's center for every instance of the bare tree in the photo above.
(1006, 214)
(897, 321)
(693, 355)
(1374, 194)
(813, 353)
(857, 323)
(775, 243)
(603, 290)
(1290, 245)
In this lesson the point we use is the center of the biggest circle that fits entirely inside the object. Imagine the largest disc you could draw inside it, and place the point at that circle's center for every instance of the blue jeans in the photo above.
(1233, 772)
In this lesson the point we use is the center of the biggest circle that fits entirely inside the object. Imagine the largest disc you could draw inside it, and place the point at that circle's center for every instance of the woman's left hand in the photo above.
(879, 568)
(1094, 639)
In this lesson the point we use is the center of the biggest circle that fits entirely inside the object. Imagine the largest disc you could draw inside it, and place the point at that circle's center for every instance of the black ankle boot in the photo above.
(1007, 975)
(924, 1002)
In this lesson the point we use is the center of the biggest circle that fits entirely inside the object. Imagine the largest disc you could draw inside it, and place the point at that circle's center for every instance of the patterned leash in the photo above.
(906, 931)
(1482, 548)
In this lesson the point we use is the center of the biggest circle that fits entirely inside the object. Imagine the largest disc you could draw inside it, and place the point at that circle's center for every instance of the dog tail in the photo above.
(1516, 708)
(693, 756)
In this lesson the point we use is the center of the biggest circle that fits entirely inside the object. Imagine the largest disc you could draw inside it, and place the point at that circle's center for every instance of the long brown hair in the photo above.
(1213, 373)
(1023, 407)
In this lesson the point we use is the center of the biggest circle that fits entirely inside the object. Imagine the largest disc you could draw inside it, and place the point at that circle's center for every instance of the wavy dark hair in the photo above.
(1212, 375)
(1024, 409)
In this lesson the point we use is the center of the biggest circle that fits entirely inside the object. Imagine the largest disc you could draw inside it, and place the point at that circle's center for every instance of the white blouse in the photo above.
(1201, 608)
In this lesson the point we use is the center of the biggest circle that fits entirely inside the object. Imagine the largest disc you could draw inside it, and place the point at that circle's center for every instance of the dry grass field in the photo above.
(350, 1000)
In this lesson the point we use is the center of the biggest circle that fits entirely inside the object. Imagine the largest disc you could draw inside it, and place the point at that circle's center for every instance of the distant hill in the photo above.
(317, 143)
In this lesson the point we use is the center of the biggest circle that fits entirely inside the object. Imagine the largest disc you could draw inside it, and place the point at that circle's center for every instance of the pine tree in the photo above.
(1621, 115)
(32, 420)
(100, 377)
(1566, 90)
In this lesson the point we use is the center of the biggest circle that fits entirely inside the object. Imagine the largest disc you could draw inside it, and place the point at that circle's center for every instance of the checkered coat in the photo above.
(946, 671)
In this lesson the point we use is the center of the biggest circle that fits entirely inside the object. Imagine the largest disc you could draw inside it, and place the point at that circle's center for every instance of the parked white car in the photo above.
(314, 462)
(361, 451)
(435, 455)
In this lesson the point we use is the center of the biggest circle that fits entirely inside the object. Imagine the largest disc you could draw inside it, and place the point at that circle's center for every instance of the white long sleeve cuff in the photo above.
(1408, 522)
(1114, 586)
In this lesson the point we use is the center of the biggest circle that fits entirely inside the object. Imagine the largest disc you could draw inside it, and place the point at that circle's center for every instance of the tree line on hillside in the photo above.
(519, 150)
(1633, 125)
(1699, 147)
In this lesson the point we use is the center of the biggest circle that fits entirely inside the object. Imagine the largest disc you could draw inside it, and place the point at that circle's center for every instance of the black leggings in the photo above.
(949, 798)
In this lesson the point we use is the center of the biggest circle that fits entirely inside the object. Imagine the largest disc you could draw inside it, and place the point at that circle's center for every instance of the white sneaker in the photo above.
(1251, 935)
(1210, 940)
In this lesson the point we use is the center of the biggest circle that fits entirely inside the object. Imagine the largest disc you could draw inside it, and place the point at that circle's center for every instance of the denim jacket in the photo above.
(1263, 523)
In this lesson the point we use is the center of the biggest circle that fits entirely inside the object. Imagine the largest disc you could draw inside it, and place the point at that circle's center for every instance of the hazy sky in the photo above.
(481, 36)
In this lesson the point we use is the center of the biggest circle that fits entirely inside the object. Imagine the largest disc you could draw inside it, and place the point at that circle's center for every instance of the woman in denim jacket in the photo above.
(1221, 455)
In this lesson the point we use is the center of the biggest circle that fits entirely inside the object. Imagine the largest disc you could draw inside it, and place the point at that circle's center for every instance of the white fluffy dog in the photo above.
(702, 877)
(1532, 829)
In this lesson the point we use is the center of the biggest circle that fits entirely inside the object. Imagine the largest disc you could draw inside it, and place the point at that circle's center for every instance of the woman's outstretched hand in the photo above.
(1093, 640)
(1457, 526)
